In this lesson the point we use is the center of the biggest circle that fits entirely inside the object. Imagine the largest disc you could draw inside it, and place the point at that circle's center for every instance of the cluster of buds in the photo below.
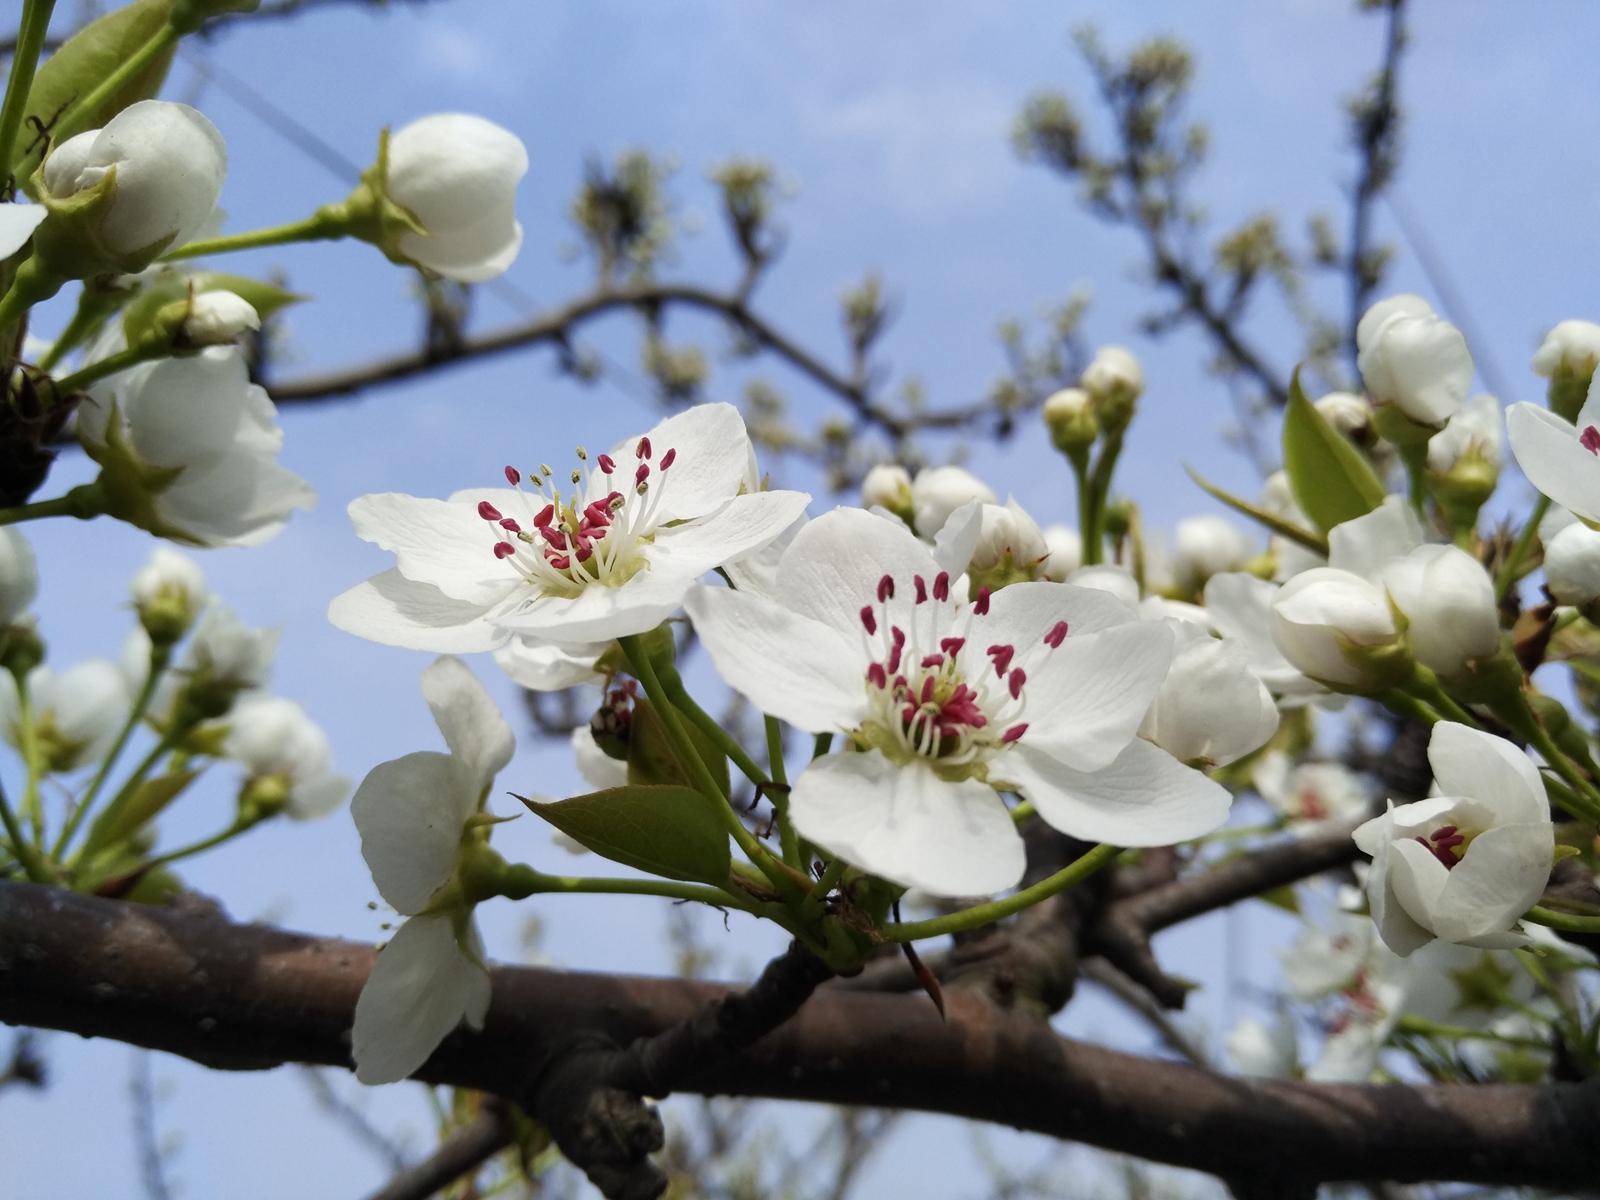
(1103, 402)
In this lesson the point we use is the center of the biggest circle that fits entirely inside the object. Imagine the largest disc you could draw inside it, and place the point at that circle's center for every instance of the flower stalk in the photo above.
(24, 62)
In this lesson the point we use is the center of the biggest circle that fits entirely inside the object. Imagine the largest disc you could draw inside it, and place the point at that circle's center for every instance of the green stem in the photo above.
(1406, 705)
(32, 809)
(24, 853)
(124, 795)
(1426, 686)
(159, 657)
(1080, 472)
(1423, 1027)
(822, 744)
(85, 501)
(724, 741)
(1023, 811)
(1100, 488)
(1415, 457)
(995, 910)
(787, 838)
(1560, 920)
(78, 115)
(33, 284)
(199, 847)
(326, 224)
(24, 62)
(522, 881)
(1519, 549)
(1521, 718)
(110, 365)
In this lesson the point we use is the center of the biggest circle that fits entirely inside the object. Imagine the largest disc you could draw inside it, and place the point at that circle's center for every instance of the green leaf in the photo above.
(1330, 479)
(675, 832)
(652, 759)
(1304, 537)
(1284, 897)
(172, 286)
(89, 56)
(146, 803)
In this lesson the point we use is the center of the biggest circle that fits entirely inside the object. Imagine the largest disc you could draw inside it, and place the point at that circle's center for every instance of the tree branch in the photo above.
(464, 1150)
(248, 997)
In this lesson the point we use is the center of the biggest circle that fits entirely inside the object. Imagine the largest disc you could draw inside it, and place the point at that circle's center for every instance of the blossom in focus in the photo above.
(19, 575)
(1324, 617)
(413, 814)
(1414, 360)
(77, 714)
(1038, 688)
(168, 163)
(288, 757)
(1462, 866)
(486, 565)
(1207, 545)
(1211, 709)
(188, 449)
(457, 174)
(1448, 597)
(1559, 457)
(939, 491)
(1311, 794)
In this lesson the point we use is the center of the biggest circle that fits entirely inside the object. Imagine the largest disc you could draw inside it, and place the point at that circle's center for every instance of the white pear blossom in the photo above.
(272, 736)
(485, 565)
(939, 491)
(1413, 359)
(599, 770)
(216, 318)
(1113, 371)
(1449, 599)
(1263, 1051)
(1239, 606)
(1572, 565)
(1064, 553)
(412, 813)
(1007, 532)
(1571, 348)
(1320, 613)
(1474, 427)
(1211, 709)
(1325, 960)
(202, 416)
(457, 175)
(1038, 688)
(1311, 794)
(227, 653)
(168, 591)
(1559, 457)
(1462, 866)
(1208, 545)
(77, 714)
(1111, 579)
(19, 575)
(170, 163)
(547, 667)
(887, 485)
(17, 223)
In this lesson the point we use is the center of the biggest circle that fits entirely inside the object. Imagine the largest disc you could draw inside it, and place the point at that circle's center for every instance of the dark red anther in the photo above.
(894, 653)
(927, 689)
(607, 464)
(930, 661)
(510, 526)
(868, 620)
(546, 515)
(488, 511)
(922, 589)
(554, 536)
(642, 473)
(1057, 635)
(1589, 439)
(513, 476)
(952, 646)
(585, 551)
(877, 676)
(559, 561)
(941, 586)
(1013, 733)
(670, 457)
(981, 605)
(1015, 682)
(885, 589)
(1002, 656)
(898, 634)
(644, 448)
(504, 549)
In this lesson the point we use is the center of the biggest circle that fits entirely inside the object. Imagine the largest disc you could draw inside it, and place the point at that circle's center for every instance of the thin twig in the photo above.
(464, 1150)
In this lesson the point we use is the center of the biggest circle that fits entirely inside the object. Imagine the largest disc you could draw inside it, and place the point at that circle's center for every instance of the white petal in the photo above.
(599, 770)
(958, 538)
(478, 736)
(713, 453)
(392, 609)
(598, 613)
(788, 666)
(421, 988)
(1145, 798)
(836, 561)
(409, 812)
(17, 223)
(908, 825)
(1024, 612)
(741, 527)
(1364, 544)
(758, 572)
(1501, 876)
(1400, 931)
(1418, 880)
(545, 667)
(1469, 762)
(441, 542)
(1550, 455)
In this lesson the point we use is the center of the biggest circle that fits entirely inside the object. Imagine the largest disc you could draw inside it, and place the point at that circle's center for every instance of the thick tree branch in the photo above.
(247, 997)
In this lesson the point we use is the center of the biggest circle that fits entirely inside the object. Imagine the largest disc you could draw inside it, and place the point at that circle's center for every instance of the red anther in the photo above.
(585, 551)
(922, 589)
(546, 515)
(899, 635)
(554, 536)
(644, 448)
(932, 660)
(642, 473)
(981, 605)
(510, 526)
(1015, 682)
(670, 457)
(513, 477)
(941, 586)
(894, 654)
(927, 689)
(868, 621)
(488, 511)
(877, 676)
(885, 589)
(504, 549)
(607, 464)
(1057, 635)
(559, 561)
(1589, 439)
(1002, 656)
(1442, 853)
(1013, 733)
(952, 646)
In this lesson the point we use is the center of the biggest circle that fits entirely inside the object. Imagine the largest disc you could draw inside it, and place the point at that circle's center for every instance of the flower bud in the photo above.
(1567, 358)
(1448, 598)
(1415, 364)
(1114, 380)
(1205, 546)
(939, 491)
(168, 591)
(1464, 460)
(1337, 628)
(288, 757)
(224, 659)
(19, 575)
(1348, 413)
(76, 714)
(1572, 565)
(1064, 548)
(1008, 549)
(1211, 710)
(888, 485)
(1069, 415)
(215, 319)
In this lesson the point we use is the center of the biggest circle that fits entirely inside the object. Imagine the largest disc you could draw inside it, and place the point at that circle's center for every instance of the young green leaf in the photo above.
(665, 830)
(1330, 479)
(1315, 542)
(146, 803)
(652, 759)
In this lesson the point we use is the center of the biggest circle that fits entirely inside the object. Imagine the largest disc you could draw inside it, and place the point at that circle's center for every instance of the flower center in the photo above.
(564, 545)
(1447, 844)
(931, 696)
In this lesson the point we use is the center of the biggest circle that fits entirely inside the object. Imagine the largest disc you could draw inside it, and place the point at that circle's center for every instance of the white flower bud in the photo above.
(1007, 531)
(1321, 611)
(216, 318)
(19, 575)
(1571, 348)
(457, 175)
(1347, 412)
(939, 491)
(273, 736)
(1572, 565)
(1211, 709)
(1069, 415)
(1475, 427)
(227, 654)
(1413, 359)
(1208, 545)
(1064, 548)
(170, 163)
(1106, 577)
(168, 591)
(1449, 599)
(1113, 370)
(887, 485)
(77, 714)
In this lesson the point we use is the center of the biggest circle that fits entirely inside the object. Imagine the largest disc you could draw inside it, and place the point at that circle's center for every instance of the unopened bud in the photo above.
(1567, 358)
(262, 797)
(1070, 417)
(1115, 381)
(888, 485)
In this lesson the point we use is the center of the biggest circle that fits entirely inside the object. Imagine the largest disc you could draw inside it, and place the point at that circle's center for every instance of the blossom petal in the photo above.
(597, 614)
(834, 565)
(1469, 762)
(441, 542)
(396, 611)
(1501, 876)
(741, 527)
(409, 812)
(422, 987)
(545, 667)
(1550, 455)
(713, 452)
(958, 538)
(1401, 932)
(1364, 544)
(17, 223)
(467, 715)
(1240, 606)
(907, 825)
(1145, 798)
(1024, 613)
(787, 665)
(599, 770)
(1085, 701)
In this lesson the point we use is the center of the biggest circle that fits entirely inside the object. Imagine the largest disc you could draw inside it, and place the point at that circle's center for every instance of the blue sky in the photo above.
(890, 119)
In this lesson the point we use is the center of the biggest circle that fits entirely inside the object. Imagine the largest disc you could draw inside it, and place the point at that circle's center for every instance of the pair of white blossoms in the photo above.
(845, 624)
